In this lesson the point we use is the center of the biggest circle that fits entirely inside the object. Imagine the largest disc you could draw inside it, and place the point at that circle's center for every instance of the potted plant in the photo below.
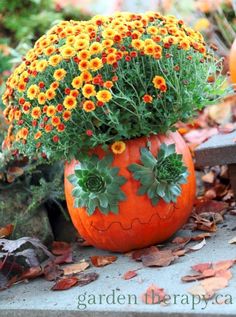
(105, 95)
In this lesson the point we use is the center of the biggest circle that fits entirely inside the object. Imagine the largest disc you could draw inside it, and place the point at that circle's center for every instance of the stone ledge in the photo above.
(35, 298)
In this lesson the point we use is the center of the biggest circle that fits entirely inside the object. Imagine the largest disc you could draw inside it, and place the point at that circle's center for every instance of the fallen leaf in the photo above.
(130, 274)
(198, 136)
(153, 295)
(31, 273)
(75, 268)
(197, 290)
(137, 254)
(102, 260)
(181, 240)
(196, 277)
(161, 258)
(223, 265)
(209, 177)
(52, 271)
(63, 252)
(84, 279)
(198, 246)
(233, 240)
(201, 267)
(6, 231)
(65, 283)
(213, 284)
(210, 206)
(201, 236)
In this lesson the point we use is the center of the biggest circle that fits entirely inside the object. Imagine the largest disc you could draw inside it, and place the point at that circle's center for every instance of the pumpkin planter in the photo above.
(138, 223)
(107, 92)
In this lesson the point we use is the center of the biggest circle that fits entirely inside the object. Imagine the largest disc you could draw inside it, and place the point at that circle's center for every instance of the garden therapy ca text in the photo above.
(86, 300)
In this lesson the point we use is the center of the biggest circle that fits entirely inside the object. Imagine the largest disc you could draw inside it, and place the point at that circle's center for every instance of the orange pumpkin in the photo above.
(232, 62)
(138, 223)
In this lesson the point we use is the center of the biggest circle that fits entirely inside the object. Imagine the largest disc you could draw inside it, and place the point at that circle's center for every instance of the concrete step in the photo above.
(111, 295)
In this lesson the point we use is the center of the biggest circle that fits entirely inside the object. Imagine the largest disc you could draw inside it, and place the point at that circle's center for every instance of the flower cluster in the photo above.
(101, 81)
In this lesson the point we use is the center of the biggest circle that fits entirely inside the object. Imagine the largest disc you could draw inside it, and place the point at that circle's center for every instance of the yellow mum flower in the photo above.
(84, 54)
(95, 48)
(89, 106)
(88, 90)
(95, 64)
(67, 51)
(158, 81)
(32, 92)
(137, 44)
(50, 94)
(54, 60)
(41, 65)
(104, 96)
(59, 74)
(51, 110)
(81, 44)
(41, 98)
(36, 113)
(69, 102)
(118, 147)
(83, 65)
(77, 82)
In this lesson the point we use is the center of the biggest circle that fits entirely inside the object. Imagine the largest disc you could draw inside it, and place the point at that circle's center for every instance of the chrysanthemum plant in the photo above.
(103, 81)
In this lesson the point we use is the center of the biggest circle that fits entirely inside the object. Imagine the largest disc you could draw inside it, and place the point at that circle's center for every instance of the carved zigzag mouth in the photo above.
(137, 220)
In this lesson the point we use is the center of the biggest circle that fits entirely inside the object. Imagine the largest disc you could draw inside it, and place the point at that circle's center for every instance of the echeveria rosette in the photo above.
(97, 185)
(160, 177)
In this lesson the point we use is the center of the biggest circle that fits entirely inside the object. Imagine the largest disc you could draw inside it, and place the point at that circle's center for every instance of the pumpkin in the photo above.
(232, 62)
(138, 224)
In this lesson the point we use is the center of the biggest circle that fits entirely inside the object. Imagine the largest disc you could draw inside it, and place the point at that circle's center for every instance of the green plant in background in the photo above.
(160, 177)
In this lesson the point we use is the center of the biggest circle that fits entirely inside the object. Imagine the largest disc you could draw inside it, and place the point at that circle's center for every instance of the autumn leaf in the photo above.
(102, 260)
(6, 231)
(65, 283)
(181, 240)
(52, 271)
(210, 206)
(75, 268)
(209, 177)
(201, 236)
(198, 246)
(13, 173)
(233, 240)
(84, 279)
(161, 258)
(63, 252)
(153, 295)
(129, 274)
(201, 267)
(137, 254)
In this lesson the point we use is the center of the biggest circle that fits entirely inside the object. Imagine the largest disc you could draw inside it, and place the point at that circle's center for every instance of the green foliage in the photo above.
(97, 185)
(160, 177)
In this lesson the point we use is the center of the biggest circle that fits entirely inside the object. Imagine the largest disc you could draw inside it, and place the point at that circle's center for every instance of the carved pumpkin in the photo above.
(138, 223)
(232, 62)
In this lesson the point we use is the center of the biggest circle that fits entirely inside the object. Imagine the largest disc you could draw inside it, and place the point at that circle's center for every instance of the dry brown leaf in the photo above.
(209, 177)
(197, 290)
(84, 279)
(201, 236)
(129, 274)
(201, 267)
(75, 268)
(65, 283)
(6, 231)
(198, 246)
(52, 271)
(153, 295)
(213, 284)
(213, 206)
(223, 265)
(233, 240)
(102, 260)
(181, 240)
(161, 258)
(137, 254)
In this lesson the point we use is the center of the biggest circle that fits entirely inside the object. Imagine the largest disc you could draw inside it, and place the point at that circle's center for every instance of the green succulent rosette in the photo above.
(97, 185)
(161, 176)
